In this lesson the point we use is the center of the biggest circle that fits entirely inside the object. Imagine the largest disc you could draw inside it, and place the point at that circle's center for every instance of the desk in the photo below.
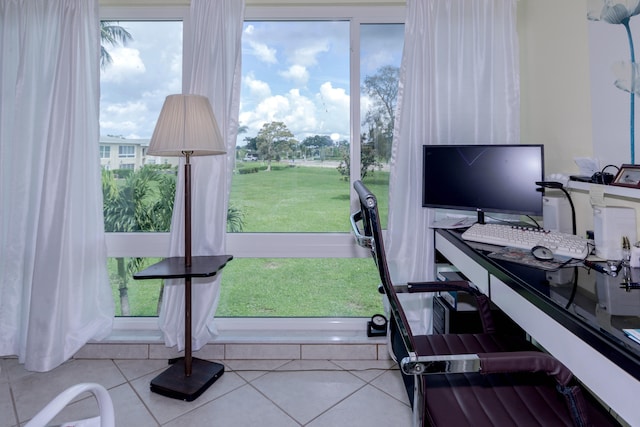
(586, 336)
(187, 378)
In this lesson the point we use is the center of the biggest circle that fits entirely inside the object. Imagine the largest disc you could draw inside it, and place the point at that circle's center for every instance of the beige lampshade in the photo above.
(186, 124)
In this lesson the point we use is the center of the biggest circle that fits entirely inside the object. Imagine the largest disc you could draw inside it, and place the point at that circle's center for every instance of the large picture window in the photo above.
(303, 139)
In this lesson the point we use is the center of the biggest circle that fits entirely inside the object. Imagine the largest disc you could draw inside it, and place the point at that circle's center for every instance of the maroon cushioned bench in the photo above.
(483, 379)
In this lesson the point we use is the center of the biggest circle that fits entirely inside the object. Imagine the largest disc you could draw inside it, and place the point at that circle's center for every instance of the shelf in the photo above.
(174, 267)
(609, 190)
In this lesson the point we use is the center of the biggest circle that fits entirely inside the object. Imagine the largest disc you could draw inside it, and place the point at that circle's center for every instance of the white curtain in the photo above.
(459, 84)
(216, 31)
(54, 287)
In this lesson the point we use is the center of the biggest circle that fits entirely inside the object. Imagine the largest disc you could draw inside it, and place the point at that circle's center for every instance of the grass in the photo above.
(293, 199)
(287, 287)
(298, 199)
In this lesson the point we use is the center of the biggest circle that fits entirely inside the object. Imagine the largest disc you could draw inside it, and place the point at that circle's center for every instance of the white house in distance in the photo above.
(118, 152)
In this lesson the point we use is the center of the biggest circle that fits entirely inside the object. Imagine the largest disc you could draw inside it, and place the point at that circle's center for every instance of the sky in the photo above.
(294, 72)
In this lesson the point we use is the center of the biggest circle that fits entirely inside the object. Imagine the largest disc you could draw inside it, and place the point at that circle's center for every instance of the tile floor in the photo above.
(250, 393)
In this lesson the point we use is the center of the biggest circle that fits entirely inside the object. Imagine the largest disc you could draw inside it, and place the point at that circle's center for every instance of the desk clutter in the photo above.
(560, 244)
(524, 256)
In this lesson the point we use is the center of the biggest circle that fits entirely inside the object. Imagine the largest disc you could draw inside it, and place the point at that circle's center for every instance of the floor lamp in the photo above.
(187, 127)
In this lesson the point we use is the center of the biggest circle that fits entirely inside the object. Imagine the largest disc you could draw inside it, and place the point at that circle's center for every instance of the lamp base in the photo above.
(175, 384)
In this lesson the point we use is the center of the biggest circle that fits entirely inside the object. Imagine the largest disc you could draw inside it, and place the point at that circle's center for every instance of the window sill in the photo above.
(254, 331)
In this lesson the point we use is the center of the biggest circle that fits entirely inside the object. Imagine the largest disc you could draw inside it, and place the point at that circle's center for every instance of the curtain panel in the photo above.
(54, 286)
(459, 84)
(216, 34)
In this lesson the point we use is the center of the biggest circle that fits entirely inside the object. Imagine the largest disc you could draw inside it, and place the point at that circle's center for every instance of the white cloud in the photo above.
(128, 108)
(375, 60)
(334, 115)
(257, 88)
(301, 117)
(125, 119)
(260, 50)
(325, 113)
(297, 112)
(298, 74)
(336, 97)
(307, 55)
(264, 52)
(126, 62)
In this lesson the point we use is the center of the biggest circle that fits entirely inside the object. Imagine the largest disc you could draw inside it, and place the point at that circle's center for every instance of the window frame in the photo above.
(265, 245)
(105, 151)
(125, 154)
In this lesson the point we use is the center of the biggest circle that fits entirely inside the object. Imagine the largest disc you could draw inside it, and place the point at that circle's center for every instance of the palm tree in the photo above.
(113, 35)
(143, 201)
(136, 204)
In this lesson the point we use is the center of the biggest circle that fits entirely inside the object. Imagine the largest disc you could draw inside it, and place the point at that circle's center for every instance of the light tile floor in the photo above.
(264, 393)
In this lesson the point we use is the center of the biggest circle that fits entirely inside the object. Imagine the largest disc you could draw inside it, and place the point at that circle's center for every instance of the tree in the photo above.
(144, 202)
(113, 35)
(135, 204)
(273, 140)
(367, 160)
(251, 143)
(315, 143)
(382, 89)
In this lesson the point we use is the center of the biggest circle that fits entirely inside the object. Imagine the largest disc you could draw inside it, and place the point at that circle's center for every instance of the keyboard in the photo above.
(561, 244)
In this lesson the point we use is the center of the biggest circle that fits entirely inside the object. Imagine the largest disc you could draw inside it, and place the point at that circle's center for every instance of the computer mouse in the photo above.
(542, 253)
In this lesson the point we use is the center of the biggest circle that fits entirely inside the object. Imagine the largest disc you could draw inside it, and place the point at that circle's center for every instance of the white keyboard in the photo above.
(561, 244)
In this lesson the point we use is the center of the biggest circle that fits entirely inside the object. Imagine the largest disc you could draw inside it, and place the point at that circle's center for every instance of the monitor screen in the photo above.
(483, 178)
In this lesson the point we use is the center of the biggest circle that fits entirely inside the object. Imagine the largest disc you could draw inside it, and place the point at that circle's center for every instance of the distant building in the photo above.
(117, 152)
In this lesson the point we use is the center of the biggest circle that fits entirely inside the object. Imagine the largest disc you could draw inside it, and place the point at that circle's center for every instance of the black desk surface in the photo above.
(592, 305)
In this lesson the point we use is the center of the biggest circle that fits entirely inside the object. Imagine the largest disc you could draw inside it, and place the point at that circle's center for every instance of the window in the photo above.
(380, 56)
(304, 119)
(126, 151)
(293, 160)
(137, 75)
(295, 115)
(105, 152)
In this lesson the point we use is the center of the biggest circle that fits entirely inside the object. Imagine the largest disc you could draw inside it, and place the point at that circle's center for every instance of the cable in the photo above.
(559, 186)
(602, 177)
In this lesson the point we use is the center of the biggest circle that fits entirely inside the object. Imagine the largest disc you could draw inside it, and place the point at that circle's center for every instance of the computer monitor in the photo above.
(483, 178)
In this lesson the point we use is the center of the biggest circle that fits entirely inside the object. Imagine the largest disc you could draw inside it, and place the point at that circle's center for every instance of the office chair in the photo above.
(482, 379)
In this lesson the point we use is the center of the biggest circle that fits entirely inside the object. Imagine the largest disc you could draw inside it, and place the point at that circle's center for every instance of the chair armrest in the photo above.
(105, 405)
(361, 239)
(488, 363)
(440, 364)
(484, 305)
(443, 286)
(525, 361)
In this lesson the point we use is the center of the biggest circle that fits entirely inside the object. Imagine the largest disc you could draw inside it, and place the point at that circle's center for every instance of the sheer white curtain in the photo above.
(459, 84)
(54, 286)
(216, 31)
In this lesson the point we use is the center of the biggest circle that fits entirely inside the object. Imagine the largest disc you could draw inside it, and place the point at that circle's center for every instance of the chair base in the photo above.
(175, 384)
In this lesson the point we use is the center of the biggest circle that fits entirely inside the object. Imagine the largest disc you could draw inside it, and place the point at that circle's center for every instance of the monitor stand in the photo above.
(480, 216)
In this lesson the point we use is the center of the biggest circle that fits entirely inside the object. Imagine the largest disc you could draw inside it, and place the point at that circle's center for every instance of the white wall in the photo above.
(555, 85)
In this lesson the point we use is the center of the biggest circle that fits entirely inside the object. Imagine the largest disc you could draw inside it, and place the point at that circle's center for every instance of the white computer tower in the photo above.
(610, 225)
(556, 213)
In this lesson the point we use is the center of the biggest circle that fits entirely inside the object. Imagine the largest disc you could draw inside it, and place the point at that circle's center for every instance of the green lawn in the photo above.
(286, 287)
(291, 199)
(299, 199)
